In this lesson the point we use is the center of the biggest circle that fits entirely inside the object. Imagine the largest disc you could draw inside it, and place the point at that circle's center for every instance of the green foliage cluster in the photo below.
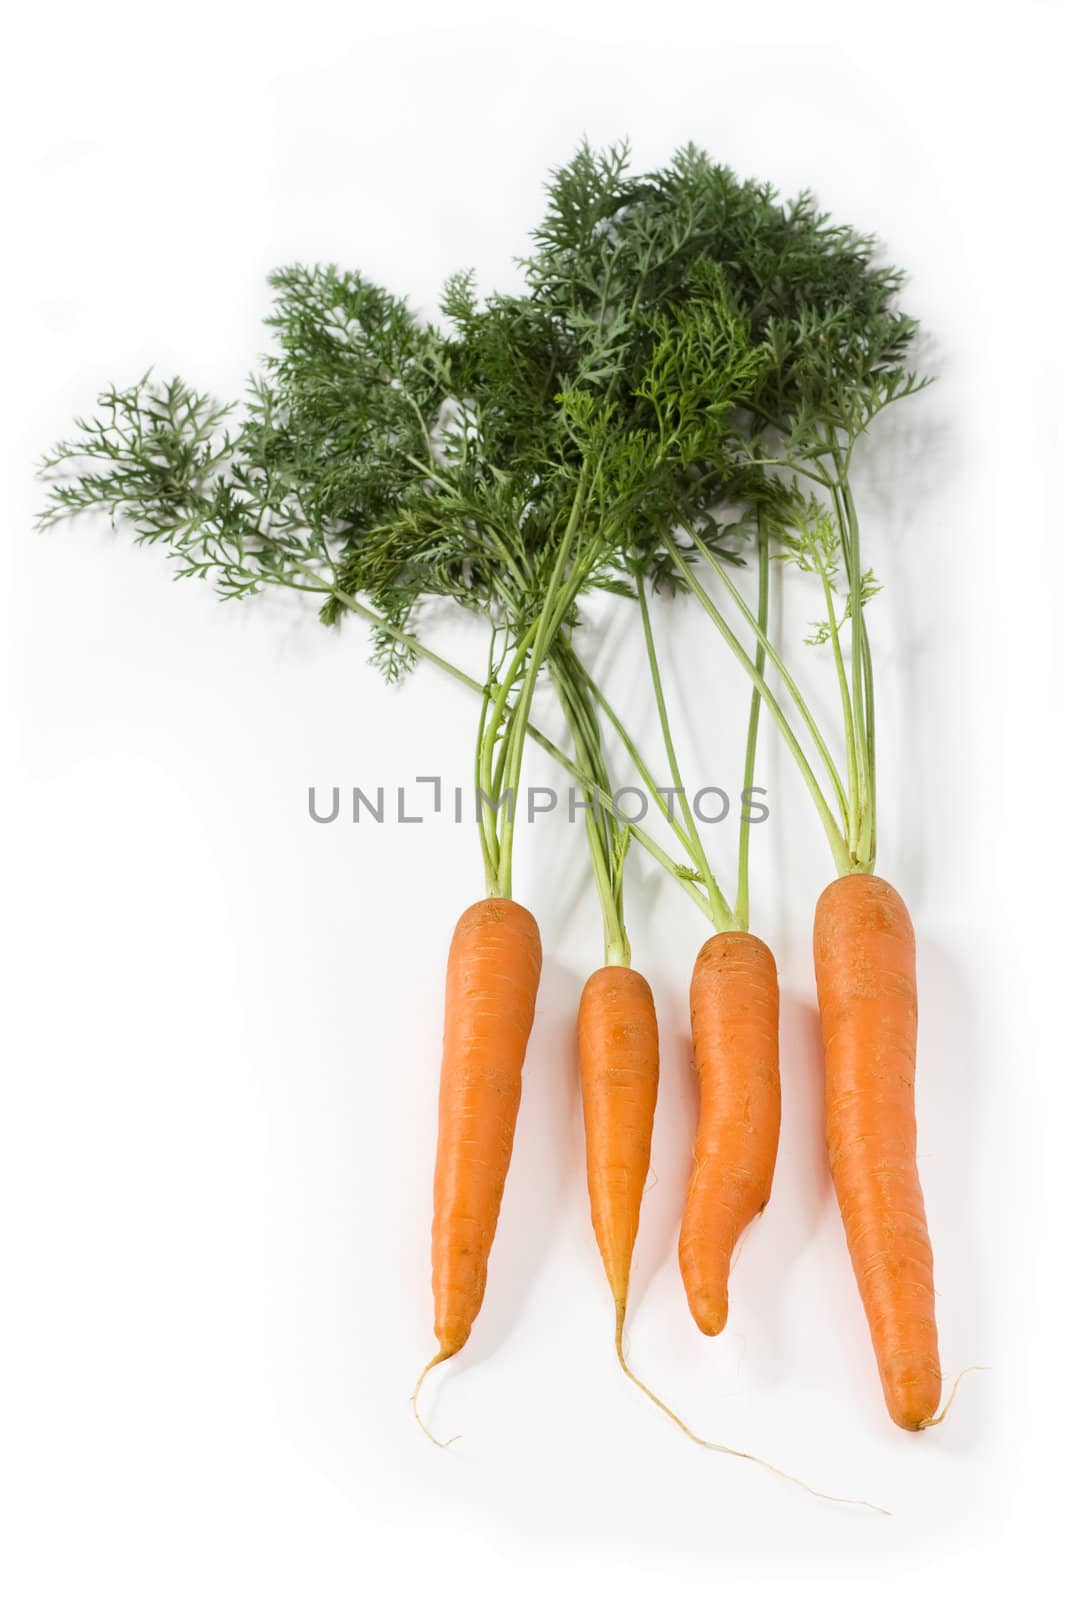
(692, 358)
(678, 327)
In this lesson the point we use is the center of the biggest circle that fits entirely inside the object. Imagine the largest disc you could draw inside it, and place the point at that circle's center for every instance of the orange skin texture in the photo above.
(492, 978)
(618, 1047)
(735, 1011)
(864, 962)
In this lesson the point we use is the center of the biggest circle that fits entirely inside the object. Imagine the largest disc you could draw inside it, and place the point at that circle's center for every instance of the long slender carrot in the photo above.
(492, 978)
(734, 1021)
(867, 991)
(618, 1047)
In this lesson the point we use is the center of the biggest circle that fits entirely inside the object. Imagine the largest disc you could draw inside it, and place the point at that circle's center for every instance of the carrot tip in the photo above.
(934, 1422)
(710, 1312)
(414, 1401)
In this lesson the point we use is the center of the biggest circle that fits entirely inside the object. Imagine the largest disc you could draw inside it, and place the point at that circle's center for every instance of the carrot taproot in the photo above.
(867, 992)
(734, 1023)
(492, 978)
(618, 1053)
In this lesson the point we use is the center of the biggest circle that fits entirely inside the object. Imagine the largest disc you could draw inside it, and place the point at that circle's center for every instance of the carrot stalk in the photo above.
(864, 963)
(492, 978)
(734, 1021)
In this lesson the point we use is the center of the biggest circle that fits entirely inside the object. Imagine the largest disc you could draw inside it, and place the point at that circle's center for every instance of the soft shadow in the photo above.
(776, 1245)
(898, 475)
(956, 1179)
(547, 1154)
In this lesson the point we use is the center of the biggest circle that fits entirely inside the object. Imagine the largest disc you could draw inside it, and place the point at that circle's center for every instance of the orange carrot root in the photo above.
(734, 1022)
(866, 986)
(492, 978)
(618, 1049)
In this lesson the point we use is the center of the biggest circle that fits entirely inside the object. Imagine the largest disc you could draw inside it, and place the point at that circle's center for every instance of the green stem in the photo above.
(836, 839)
(715, 907)
(862, 673)
(857, 735)
(789, 682)
(742, 917)
(412, 642)
(492, 771)
(551, 613)
(649, 844)
(696, 851)
(845, 706)
(870, 832)
(857, 693)
(635, 755)
(487, 842)
(600, 838)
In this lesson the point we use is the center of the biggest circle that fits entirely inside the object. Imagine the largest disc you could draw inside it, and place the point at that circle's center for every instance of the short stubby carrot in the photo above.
(735, 1007)
(867, 991)
(492, 979)
(618, 1050)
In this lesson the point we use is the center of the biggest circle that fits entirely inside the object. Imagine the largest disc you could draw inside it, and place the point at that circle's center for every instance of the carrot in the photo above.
(618, 1040)
(492, 977)
(734, 1019)
(864, 963)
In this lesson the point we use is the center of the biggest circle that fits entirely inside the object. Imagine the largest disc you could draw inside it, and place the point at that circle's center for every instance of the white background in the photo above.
(219, 1086)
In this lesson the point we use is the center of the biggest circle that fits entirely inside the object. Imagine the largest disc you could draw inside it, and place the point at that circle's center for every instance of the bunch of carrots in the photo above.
(671, 405)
